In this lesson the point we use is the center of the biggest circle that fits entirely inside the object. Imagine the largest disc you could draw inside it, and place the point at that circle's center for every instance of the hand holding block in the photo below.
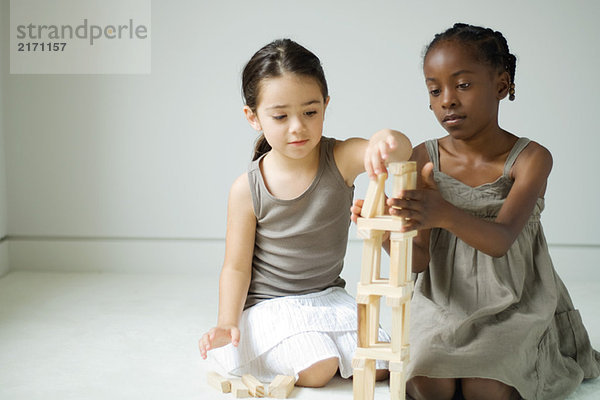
(255, 388)
(282, 386)
(218, 382)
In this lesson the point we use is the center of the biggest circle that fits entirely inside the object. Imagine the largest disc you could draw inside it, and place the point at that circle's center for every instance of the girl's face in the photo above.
(290, 112)
(464, 93)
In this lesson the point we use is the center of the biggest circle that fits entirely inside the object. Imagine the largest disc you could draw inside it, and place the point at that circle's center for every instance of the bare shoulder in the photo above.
(348, 155)
(239, 194)
(534, 159)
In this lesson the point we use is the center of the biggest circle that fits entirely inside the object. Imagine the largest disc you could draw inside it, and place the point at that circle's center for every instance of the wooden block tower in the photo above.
(397, 289)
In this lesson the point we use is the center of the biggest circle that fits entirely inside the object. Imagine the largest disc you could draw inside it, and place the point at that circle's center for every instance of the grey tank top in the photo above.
(300, 243)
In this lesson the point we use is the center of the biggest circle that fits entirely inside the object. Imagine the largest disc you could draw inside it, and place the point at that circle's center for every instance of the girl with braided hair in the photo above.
(491, 318)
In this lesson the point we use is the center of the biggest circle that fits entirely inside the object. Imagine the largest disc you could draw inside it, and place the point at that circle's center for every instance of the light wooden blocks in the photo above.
(249, 386)
(281, 387)
(397, 289)
(255, 388)
(239, 389)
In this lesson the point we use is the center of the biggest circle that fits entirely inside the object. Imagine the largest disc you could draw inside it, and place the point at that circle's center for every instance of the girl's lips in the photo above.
(452, 119)
(299, 142)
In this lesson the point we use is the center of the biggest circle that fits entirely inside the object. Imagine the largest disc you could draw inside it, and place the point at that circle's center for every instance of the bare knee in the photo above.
(488, 389)
(382, 374)
(424, 388)
(318, 374)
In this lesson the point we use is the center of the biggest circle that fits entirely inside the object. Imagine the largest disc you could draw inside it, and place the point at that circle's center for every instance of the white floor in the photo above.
(133, 336)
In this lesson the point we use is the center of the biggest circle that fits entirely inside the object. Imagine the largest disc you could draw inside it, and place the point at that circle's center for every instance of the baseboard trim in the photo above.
(182, 255)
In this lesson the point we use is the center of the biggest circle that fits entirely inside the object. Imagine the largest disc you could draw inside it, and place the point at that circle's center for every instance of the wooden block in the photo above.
(402, 167)
(373, 319)
(384, 289)
(406, 323)
(239, 389)
(397, 381)
(362, 329)
(220, 383)
(400, 256)
(397, 327)
(402, 235)
(373, 196)
(393, 301)
(382, 351)
(404, 178)
(363, 379)
(282, 386)
(382, 223)
(255, 388)
(371, 259)
(369, 233)
(358, 379)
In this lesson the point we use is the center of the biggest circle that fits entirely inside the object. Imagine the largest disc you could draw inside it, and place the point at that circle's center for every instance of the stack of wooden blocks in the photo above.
(397, 289)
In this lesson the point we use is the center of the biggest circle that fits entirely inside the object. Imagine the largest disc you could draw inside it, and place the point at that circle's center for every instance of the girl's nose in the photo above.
(296, 125)
(449, 99)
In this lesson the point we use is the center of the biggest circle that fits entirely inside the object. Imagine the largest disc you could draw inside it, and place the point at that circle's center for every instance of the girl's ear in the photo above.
(252, 119)
(503, 85)
(326, 102)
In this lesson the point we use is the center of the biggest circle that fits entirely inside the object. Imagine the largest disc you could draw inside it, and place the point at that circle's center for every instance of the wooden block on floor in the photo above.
(239, 389)
(255, 387)
(397, 381)
(363, 378)
(217, 381)
(282, 386)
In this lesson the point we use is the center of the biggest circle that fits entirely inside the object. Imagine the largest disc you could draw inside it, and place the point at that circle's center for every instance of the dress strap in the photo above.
(433, 151)
(520, 144)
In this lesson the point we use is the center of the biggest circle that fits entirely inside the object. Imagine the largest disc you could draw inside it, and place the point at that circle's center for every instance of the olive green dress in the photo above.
(506, 318)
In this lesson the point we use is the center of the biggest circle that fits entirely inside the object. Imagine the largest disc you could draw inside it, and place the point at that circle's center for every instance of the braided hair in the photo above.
(488, 46)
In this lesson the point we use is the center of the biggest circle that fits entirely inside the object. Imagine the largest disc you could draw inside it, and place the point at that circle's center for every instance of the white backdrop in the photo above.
(120, 160)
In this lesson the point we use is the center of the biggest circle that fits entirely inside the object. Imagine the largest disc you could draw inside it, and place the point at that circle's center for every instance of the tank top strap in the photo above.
(433, 151)
(520, 144)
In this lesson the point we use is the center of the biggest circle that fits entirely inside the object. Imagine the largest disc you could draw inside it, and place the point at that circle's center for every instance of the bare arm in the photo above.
(427, 209)
(353, 156)
(237, 267)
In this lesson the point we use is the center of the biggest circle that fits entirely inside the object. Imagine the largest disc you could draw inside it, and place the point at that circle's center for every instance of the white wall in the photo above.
(3, 67)
(132, 172)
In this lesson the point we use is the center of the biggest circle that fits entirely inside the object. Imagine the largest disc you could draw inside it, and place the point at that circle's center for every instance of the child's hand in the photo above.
(385, 146)
(422, 208)
(356, 208)
(218, 337)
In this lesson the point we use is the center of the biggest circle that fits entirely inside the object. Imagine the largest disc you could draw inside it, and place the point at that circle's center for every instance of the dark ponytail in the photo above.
(273, 60)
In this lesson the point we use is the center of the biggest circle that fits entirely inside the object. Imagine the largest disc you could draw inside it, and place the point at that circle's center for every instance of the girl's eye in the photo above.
(464, 85)
(434, 92)
(310, 113)
(279, 117)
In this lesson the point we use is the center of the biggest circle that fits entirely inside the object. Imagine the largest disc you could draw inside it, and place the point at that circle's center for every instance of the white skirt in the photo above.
(286, 335)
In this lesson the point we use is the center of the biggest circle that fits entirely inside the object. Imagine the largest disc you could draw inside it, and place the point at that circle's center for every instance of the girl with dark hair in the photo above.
(283, 309)
(491, 318)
